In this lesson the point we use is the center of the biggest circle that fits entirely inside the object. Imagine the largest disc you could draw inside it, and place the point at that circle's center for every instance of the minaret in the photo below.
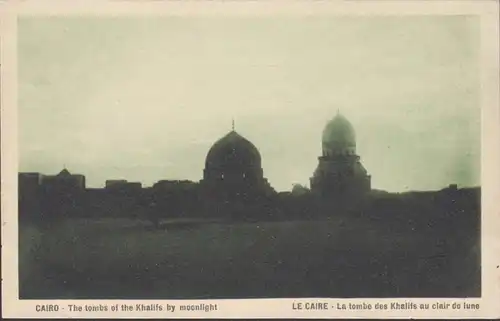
(340, 171)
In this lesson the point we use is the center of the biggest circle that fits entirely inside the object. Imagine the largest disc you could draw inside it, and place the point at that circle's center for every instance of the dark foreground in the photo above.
(335, 257)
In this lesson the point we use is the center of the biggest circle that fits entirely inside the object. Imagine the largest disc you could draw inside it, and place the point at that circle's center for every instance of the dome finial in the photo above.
(338, 111)
(232, 125)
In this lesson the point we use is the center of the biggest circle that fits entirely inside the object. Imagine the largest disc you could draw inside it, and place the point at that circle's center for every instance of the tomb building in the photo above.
(339, 171)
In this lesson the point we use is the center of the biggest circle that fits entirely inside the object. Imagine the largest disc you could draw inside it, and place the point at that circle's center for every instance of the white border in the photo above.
(262, 308)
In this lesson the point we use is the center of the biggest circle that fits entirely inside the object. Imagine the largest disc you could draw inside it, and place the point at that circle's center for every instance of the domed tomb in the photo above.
(339, 171)
(339, 137)
(233, 166)
(233, 157)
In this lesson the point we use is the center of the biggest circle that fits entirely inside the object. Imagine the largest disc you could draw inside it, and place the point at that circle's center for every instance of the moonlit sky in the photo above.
(143, 99)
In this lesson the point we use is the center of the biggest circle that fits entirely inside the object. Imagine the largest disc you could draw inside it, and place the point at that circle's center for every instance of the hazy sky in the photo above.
(143, 99)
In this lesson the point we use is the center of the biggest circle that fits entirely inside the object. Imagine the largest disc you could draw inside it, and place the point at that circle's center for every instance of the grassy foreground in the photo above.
(121, 258)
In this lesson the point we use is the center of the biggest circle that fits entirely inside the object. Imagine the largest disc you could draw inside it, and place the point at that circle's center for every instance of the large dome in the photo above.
(233, 151)
(339, 137)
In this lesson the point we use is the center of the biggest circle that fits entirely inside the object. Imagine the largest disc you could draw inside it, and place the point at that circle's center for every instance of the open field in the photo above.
(120, 258)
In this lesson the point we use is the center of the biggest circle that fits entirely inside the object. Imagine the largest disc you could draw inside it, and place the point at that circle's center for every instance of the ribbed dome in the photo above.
(339, 136)
(233, 151)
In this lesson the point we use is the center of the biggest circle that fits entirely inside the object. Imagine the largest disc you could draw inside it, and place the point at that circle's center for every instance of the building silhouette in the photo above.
(284, 260)
(43, 197)
(29, 198)
(233, 186)
(233, 169)
(340, 172)
(63, 182)
(123, 186)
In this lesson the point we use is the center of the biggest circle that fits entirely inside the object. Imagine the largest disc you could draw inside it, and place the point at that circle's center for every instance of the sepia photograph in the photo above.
(207, 157)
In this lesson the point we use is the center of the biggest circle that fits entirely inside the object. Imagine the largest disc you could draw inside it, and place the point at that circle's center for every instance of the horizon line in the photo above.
(278, 191)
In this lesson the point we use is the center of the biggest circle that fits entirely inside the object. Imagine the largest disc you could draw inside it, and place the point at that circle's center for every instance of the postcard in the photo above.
(246, 159)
